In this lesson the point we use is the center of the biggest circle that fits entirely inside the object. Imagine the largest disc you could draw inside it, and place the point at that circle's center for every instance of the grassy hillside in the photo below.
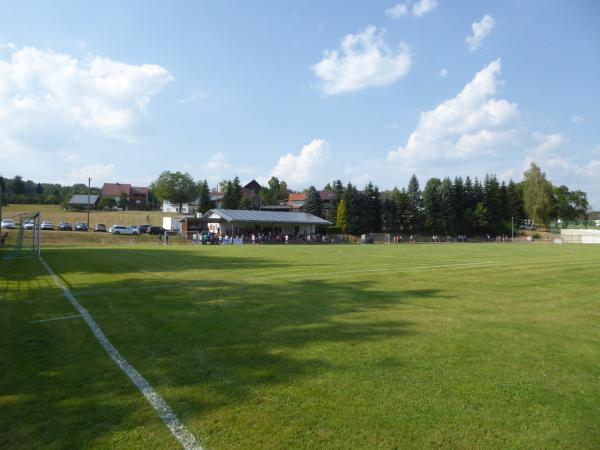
(56, 214)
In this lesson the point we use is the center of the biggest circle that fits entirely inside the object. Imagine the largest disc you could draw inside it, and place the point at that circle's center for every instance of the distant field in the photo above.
(56, 214)
(270, 347)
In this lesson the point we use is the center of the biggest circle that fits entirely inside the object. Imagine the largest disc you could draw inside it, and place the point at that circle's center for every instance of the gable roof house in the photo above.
(137, 197)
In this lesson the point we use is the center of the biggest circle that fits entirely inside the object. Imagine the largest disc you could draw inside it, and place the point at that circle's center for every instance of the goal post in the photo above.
(23, 239)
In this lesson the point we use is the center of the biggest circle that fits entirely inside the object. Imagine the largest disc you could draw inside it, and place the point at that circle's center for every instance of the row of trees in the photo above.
(20, 191)
(458, 206)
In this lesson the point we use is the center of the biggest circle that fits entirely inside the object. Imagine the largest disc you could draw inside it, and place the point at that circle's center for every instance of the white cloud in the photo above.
(364, 60)
(307, 167)
(444, 73)
(423, 7)
(473, 122)
(46, 96)
(194, 97)
(577, 118)
(397, 11)
(217, 162)
(94, 171)
(545, 143)
(481, 30)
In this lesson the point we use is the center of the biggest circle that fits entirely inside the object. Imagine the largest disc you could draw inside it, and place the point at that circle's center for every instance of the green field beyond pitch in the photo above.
(410, 346)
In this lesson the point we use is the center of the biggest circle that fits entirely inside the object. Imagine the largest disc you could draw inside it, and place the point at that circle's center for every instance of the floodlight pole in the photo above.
(512, 229)
(88, 203)
(1, 202)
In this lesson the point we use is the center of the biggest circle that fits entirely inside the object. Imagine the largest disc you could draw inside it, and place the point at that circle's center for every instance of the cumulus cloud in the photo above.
(217, 162)
(577, 118)
(473, 122)
(481, 30)
(363, 60)
(95, 171)
(306, 167)
(46, 96)
(397, 11)
(423, 7)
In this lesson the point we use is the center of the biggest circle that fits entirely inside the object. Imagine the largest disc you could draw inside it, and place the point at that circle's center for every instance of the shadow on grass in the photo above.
(205, 345)
(161, 259)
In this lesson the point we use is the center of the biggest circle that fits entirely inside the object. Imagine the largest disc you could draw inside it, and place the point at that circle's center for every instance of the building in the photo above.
(80, 201)
(297, 200)
(186, 208)
(137, 197)
(242, 222)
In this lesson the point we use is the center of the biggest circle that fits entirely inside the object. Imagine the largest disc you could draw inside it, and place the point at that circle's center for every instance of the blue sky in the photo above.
(308, 91)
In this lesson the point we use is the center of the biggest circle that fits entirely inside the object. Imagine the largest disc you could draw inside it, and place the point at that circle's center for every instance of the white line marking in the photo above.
(75, 316)
(177, 428)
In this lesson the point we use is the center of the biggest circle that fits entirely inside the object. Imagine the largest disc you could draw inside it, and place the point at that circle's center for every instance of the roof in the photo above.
(301, 196)
(327, 195)
(239, 215)
(253, 186)
(135, 190)
(115, 189)
(82, 199)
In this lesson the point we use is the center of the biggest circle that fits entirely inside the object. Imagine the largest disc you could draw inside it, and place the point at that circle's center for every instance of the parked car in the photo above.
(155, 230)
(28, 225)
(143, 228)
(81, 226)
(65, 226)
(100, 227)
(47, 225)
(8, 223)
(122, 229)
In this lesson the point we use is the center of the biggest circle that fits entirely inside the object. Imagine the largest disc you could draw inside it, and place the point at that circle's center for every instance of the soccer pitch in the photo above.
(409, 346)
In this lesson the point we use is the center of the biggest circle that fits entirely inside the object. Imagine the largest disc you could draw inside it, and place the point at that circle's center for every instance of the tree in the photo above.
(537, 194)
(123, 201)
(204, 201)
(371, 211)
(176, 187)
(17, 185)
(107, 203)
(341, 216)
(432, 206)
(415, 200)
(313, 204)
(232, 194)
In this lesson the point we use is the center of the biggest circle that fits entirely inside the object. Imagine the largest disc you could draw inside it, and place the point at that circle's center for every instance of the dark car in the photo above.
(81, 227)
(155, 230)
(143, 228)
(65, 226)
(100, 227)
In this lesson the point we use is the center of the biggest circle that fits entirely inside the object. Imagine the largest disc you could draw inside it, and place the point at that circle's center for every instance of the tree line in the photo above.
(20, 191)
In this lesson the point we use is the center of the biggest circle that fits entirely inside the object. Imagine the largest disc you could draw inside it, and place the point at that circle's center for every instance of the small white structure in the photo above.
(580, 236)
(172, 223)
(169, 207)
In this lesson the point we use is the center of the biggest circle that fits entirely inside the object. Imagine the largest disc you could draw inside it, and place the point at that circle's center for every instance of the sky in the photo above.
(307, 91)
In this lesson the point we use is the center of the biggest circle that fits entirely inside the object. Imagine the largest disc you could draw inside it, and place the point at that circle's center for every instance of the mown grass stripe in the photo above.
(177, 428)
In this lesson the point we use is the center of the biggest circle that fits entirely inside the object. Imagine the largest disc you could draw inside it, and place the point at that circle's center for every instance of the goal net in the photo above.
(20, 236)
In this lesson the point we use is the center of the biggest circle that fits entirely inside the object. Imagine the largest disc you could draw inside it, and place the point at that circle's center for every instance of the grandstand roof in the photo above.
(239, 215)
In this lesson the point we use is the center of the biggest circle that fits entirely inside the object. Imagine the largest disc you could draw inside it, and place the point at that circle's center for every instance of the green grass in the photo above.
(410, 346)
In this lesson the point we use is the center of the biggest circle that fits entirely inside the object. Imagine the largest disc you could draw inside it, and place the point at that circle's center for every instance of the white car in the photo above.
(28, 225)
(47, 225)
(8, 223)
(122, 229)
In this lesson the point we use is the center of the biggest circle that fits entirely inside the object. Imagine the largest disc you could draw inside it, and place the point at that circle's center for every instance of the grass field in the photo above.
(410, 346)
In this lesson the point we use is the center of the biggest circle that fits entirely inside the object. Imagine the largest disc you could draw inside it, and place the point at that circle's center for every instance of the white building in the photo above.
(186, 208)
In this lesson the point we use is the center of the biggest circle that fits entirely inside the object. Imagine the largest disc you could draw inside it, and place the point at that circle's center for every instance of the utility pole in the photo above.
(88, 202)
(512, 229)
